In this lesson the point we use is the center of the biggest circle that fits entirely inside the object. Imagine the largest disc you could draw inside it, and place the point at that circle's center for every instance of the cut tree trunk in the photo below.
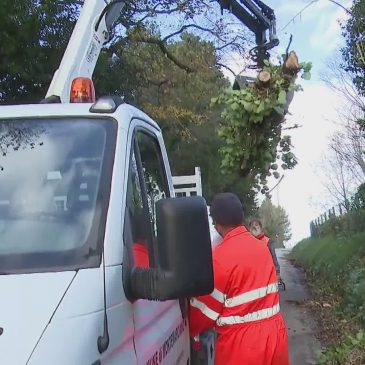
(264, 77)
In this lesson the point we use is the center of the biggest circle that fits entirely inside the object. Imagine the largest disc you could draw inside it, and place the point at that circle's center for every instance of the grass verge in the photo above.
(335, 272)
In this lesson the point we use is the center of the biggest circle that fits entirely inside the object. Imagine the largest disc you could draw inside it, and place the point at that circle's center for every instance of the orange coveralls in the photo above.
(244, 306)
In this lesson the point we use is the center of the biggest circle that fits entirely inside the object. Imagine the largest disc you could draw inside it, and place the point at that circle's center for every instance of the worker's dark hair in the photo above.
(226, 209)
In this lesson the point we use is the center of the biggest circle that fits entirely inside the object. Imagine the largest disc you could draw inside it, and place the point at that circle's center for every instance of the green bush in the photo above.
(346, 224)
(349, 351)
(340, 262)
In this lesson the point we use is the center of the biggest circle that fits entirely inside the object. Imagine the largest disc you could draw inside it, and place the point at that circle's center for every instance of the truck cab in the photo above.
(97, 257)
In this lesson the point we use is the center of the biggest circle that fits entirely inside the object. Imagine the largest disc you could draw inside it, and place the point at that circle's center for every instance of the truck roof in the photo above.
(123, 112)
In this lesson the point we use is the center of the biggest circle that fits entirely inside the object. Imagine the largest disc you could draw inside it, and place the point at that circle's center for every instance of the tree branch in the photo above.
(292, 127)
(288, 46)
(234, 40)
(164, 50)
(309, 5)
(187, 26)
(153, 12)
(226, 67)
(341, 6)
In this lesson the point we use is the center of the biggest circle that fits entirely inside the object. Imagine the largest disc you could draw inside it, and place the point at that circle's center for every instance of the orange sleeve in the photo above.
(205, 310)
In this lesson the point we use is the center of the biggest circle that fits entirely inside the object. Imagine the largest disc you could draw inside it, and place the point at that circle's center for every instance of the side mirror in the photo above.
(185, 253)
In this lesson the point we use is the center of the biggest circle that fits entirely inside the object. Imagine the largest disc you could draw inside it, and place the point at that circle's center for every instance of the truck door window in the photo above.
(137, 216)
(146, 169)
(154, 174)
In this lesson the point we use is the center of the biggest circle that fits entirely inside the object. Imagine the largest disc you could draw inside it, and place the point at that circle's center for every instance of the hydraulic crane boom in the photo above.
(92, 30)
(94, 26)
(260, 19)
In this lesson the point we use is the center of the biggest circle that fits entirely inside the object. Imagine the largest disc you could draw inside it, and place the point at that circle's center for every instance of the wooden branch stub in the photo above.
(264, 77)
(291, 65)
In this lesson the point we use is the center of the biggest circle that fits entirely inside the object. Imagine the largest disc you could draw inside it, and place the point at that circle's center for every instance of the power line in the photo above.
(298, 14)
(310, 4)
(341, 6)
(282, 177)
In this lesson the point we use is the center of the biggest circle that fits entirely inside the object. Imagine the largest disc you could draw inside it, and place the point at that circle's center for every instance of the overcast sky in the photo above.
(316, 37)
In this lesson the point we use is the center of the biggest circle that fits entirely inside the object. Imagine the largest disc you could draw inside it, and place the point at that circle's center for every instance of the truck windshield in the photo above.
(54, 191)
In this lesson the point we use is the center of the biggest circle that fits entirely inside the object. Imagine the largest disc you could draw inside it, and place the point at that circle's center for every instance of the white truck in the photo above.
(95, 266)
(97, 257)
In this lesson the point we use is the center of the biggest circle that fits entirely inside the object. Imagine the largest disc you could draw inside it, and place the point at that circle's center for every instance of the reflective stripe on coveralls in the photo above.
(238, 300)
(244, 306)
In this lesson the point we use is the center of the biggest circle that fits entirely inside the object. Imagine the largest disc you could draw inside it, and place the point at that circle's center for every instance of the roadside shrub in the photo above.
(340, 262)
(351, 351)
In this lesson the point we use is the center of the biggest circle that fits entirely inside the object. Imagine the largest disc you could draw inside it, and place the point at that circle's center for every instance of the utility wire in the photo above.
(298, 14)
(281, 179)
(310, 4)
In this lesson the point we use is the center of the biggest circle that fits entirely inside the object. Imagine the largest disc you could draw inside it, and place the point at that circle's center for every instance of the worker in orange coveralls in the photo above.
(256, 229)
(244, 306)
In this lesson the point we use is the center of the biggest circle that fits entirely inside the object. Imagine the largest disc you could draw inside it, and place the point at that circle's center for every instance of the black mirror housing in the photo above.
(185, 253)
(184, 245)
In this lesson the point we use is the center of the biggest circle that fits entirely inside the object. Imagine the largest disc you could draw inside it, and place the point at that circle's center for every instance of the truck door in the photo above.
(161, 332)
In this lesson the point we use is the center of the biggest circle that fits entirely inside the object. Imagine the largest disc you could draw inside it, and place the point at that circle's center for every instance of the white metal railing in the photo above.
(188, 185)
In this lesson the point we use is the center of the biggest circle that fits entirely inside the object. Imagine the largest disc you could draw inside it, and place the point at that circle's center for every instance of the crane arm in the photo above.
(84, 47)
(260, 19)
(99, 16)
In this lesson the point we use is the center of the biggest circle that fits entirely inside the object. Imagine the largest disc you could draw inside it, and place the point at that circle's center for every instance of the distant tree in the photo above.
(358, 200)
(275, 222)
(349, 140)
(33, 37)
(354, 50)
(349, 145)
(337, 177)
(153, 63)
(180, 103)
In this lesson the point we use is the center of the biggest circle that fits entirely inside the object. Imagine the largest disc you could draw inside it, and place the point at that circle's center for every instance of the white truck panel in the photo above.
(71, 336)
(26, 306)
(160, 333)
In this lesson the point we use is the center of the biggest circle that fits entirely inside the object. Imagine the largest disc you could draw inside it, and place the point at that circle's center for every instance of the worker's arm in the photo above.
(205, 310)
(273, 254)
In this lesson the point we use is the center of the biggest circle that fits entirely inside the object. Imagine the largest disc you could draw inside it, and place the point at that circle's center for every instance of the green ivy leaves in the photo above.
(252, 125)
(282, 97)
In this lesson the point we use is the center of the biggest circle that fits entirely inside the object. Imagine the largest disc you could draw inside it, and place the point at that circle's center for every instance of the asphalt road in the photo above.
(303, 346)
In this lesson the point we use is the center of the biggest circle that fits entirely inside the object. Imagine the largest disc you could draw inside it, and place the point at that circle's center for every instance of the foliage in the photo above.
(335, 267)
(344, 225)
(351, 350)
(202, 150)
(352, 221)
(349, 147)
(179, 101)
(252, 124)
(354, 51)
(275, 222)
(33, 37)
(172, 75)
(358, 200)
(339, 261)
